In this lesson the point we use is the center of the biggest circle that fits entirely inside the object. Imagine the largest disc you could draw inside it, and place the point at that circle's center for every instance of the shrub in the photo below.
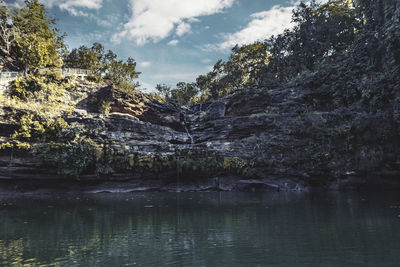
(105, 107)
(43, 86)
(94, 78)
(36, 128)
(72, 158)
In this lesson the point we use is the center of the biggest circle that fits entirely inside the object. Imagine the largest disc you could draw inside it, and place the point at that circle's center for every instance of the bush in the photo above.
(157, 97)
(43, 86)
(94, 78)
(125, 88)
(36, 128)
(72, 158)
(105, 107)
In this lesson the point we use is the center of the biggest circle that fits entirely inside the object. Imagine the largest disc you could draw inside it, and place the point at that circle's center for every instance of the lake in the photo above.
(201, 229)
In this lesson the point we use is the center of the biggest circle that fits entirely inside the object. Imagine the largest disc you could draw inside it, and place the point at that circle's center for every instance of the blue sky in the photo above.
(171, 40)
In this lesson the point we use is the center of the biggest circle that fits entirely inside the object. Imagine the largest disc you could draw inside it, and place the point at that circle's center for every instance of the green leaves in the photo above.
(37, 43)
(322, 33)
(35, 52)
(104, 65)
(184, 93)
(46, 86)
(86, 58)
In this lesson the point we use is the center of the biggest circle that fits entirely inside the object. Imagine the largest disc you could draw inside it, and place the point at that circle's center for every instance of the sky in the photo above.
(171, 40)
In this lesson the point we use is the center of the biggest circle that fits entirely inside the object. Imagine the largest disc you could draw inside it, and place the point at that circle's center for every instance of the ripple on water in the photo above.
(201, 229)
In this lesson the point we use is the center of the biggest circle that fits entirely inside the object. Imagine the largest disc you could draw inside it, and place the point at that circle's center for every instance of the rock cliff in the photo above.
(264, 139)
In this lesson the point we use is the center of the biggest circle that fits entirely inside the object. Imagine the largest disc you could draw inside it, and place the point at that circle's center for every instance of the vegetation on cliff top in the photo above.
(347, 48)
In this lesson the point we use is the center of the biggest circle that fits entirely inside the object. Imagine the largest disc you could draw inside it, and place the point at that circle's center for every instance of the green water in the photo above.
(201, 229)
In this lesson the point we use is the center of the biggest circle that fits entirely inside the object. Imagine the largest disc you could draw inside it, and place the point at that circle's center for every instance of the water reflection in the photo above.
(200, 229)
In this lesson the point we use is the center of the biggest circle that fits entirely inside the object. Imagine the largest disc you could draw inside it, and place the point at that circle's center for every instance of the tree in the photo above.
(211, 84)
(7, 31)
(86, 58)
(184, 92)
(321, 34)
(104, 65)
(246, 63)
(380, 36)
(36, 52)
(38, 44)
(119, 71)
(164, 90)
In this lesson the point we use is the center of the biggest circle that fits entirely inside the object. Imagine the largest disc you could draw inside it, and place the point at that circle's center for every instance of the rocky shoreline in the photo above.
(96, 185)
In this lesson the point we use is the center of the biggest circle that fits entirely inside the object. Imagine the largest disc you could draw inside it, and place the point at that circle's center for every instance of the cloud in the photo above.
(206, 61)
(154, 20)
(16, 4)
(183, 28)
(74, 7)
(147, 87)
(49, 3)
(173, 42)
(88, 39)
(145, 64)
(262, 25)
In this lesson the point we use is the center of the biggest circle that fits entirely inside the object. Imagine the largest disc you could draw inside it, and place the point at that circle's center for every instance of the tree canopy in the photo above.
(104, 65)
(29, 37)
(347, 47)
(30, 40)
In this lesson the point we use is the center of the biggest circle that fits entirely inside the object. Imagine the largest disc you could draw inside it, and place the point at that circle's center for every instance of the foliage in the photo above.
(86, 58)
(36, 128)
(119, 72)
(105, 107)
(321, 34)
(242, 70)
(72, 158)
(184, 93)
(347, 48)
(29, 37)
(8, 31)
(43, 86)
(367, 72)
(235, 165)
(157, 97)
(164, 90)
(104, 65)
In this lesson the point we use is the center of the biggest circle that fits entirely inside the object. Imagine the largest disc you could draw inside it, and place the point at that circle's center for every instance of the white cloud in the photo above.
(49, 3)
(206, 61)
(74, 7)
(183, 28)
(262, 25)
(145, 64)
(147, 87)
(16, 4)
(154, 20)
(173, 42)
(88, 39)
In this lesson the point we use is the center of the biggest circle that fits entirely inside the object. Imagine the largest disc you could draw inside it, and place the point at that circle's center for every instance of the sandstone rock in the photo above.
(267, 139)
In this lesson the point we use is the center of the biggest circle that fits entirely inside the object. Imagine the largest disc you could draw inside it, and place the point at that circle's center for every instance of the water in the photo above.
(201, 229)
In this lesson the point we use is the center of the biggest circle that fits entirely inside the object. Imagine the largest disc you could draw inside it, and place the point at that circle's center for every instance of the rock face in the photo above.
(261, 140)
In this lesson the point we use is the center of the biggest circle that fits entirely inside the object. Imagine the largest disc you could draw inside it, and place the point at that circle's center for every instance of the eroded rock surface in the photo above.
(266, 139)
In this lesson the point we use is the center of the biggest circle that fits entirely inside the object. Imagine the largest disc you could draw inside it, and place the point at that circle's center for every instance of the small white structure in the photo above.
(7, 77)
(80, 73)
